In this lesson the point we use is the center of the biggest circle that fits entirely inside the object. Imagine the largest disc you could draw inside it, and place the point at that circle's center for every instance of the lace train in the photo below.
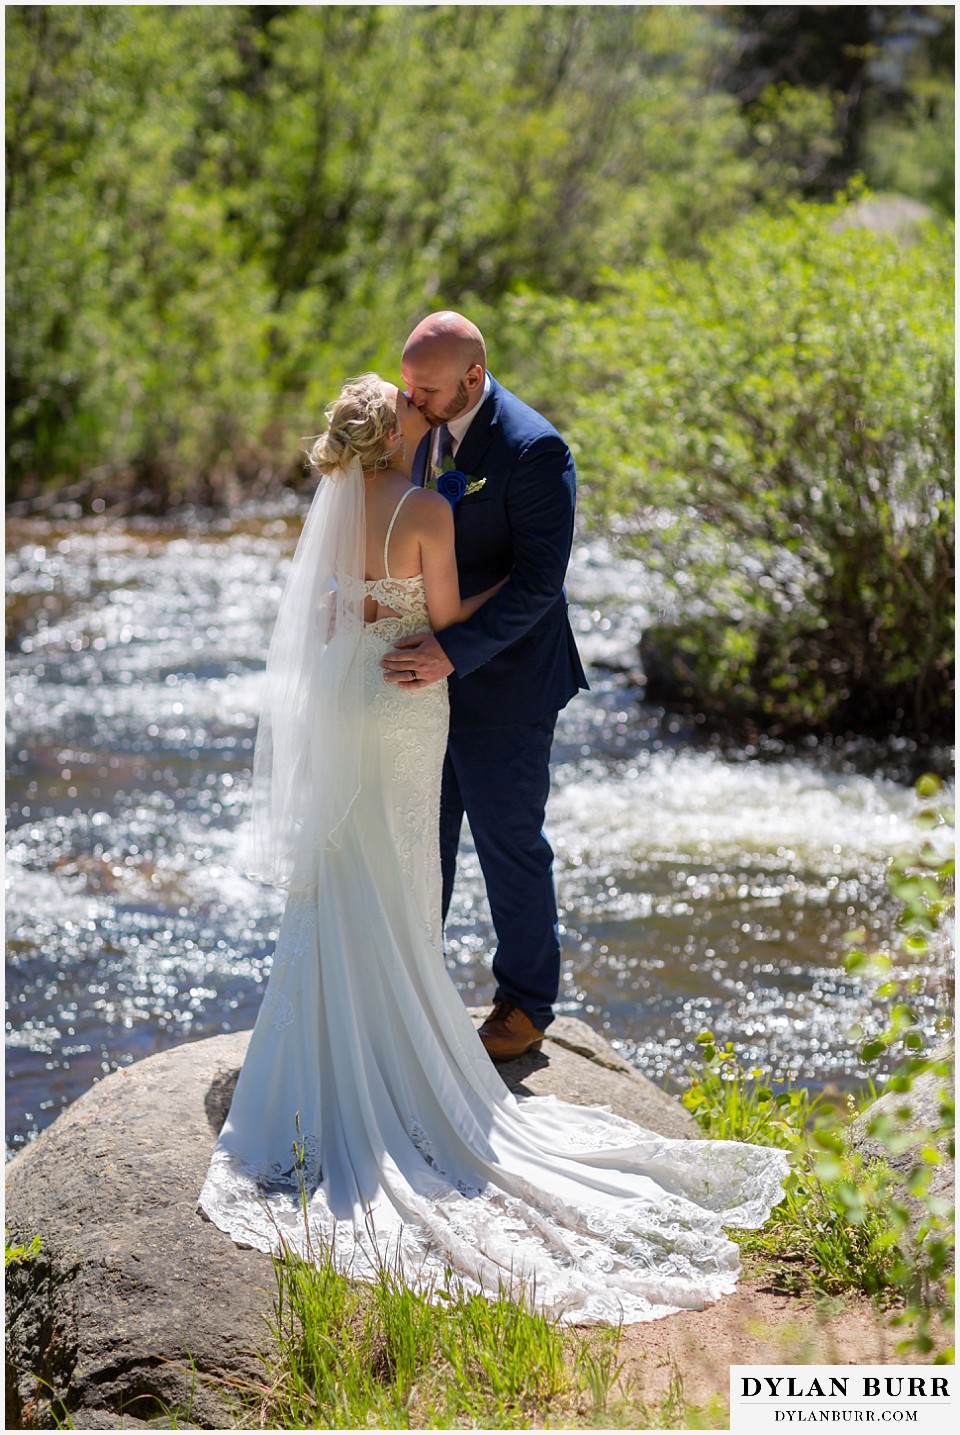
(656, 1254)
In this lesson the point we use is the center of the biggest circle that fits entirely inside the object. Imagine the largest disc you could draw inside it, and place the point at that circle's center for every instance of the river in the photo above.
(700, 887)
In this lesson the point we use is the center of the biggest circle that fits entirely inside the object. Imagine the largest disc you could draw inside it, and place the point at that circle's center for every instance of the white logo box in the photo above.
(765, 1399)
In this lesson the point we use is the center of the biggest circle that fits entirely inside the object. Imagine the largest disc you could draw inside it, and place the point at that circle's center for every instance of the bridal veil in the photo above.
(306, 767)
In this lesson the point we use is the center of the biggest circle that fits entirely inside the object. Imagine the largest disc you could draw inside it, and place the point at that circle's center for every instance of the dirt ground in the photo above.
(755, 1326)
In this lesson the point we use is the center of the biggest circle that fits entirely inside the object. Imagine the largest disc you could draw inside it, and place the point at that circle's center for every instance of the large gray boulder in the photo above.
(138, 1307)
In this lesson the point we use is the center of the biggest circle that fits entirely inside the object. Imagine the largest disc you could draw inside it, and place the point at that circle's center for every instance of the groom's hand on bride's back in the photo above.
(416, 662)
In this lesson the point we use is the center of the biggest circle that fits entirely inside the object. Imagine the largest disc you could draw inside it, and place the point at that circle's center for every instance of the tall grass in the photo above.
(354, 1355)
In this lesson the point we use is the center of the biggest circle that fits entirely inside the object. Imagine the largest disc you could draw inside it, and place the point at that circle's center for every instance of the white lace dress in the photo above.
(369, 1123)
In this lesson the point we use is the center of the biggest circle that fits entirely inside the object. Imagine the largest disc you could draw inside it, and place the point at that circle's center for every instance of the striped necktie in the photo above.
(444, 444)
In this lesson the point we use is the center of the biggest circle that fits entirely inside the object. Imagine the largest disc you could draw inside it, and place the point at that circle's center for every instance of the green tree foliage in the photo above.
(137, 317)
(774, 429)
(833, 90)
(217, 213)
(785, 52)
(911, 139)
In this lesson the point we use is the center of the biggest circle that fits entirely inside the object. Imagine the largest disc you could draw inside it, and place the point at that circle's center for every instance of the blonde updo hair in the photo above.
(360, 421)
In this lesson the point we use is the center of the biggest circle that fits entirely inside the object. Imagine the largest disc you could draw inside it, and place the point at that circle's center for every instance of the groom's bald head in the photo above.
(444, 365)
(449, 335)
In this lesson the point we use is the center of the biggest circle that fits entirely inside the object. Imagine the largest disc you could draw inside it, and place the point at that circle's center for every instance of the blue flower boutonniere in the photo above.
(453, 483)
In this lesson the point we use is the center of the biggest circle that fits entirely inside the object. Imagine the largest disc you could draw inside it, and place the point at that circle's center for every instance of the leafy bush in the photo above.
(923, 882)
(814, 1239)
(773, 429)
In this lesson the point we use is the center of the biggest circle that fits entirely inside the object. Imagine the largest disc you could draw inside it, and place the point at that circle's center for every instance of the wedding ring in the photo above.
(413, 675)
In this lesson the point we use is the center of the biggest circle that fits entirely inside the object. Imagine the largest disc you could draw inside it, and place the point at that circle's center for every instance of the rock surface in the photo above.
(895, 214)
(137, 1305)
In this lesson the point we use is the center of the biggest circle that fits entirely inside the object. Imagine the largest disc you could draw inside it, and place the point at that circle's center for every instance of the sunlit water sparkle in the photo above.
(697, 889)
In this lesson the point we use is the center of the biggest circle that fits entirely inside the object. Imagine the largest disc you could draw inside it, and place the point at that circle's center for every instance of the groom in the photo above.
(512, 666)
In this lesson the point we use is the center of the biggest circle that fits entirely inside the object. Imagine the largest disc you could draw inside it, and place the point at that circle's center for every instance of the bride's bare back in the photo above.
(383, 492)
(421, 542)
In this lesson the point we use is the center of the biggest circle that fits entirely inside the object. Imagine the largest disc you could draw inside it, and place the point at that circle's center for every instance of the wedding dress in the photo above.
(369, 1123)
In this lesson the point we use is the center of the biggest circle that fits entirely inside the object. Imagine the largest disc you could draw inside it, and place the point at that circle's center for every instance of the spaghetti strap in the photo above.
(386, 541)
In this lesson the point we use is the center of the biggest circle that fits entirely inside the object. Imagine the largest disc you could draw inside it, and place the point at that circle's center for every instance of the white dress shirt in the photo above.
(458, 426)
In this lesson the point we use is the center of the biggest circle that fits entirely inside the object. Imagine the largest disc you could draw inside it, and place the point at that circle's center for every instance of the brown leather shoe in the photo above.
(509, 1032)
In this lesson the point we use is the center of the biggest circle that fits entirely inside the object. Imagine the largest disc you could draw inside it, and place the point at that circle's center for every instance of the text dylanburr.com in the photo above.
(769, 1398)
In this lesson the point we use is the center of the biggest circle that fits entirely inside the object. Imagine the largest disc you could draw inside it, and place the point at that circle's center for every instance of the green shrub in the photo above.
(773, 429)
(923, 882)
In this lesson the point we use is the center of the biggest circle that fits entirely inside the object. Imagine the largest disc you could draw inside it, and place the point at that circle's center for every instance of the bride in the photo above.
(368, 1122)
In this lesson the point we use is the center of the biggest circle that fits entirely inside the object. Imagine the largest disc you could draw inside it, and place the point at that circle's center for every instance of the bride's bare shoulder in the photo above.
(428, 510)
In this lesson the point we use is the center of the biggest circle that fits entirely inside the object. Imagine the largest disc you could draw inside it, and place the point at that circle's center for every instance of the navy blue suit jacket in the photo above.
(515, 660)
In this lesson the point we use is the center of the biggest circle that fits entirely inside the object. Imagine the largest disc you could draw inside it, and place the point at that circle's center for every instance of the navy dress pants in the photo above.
(501, 778)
